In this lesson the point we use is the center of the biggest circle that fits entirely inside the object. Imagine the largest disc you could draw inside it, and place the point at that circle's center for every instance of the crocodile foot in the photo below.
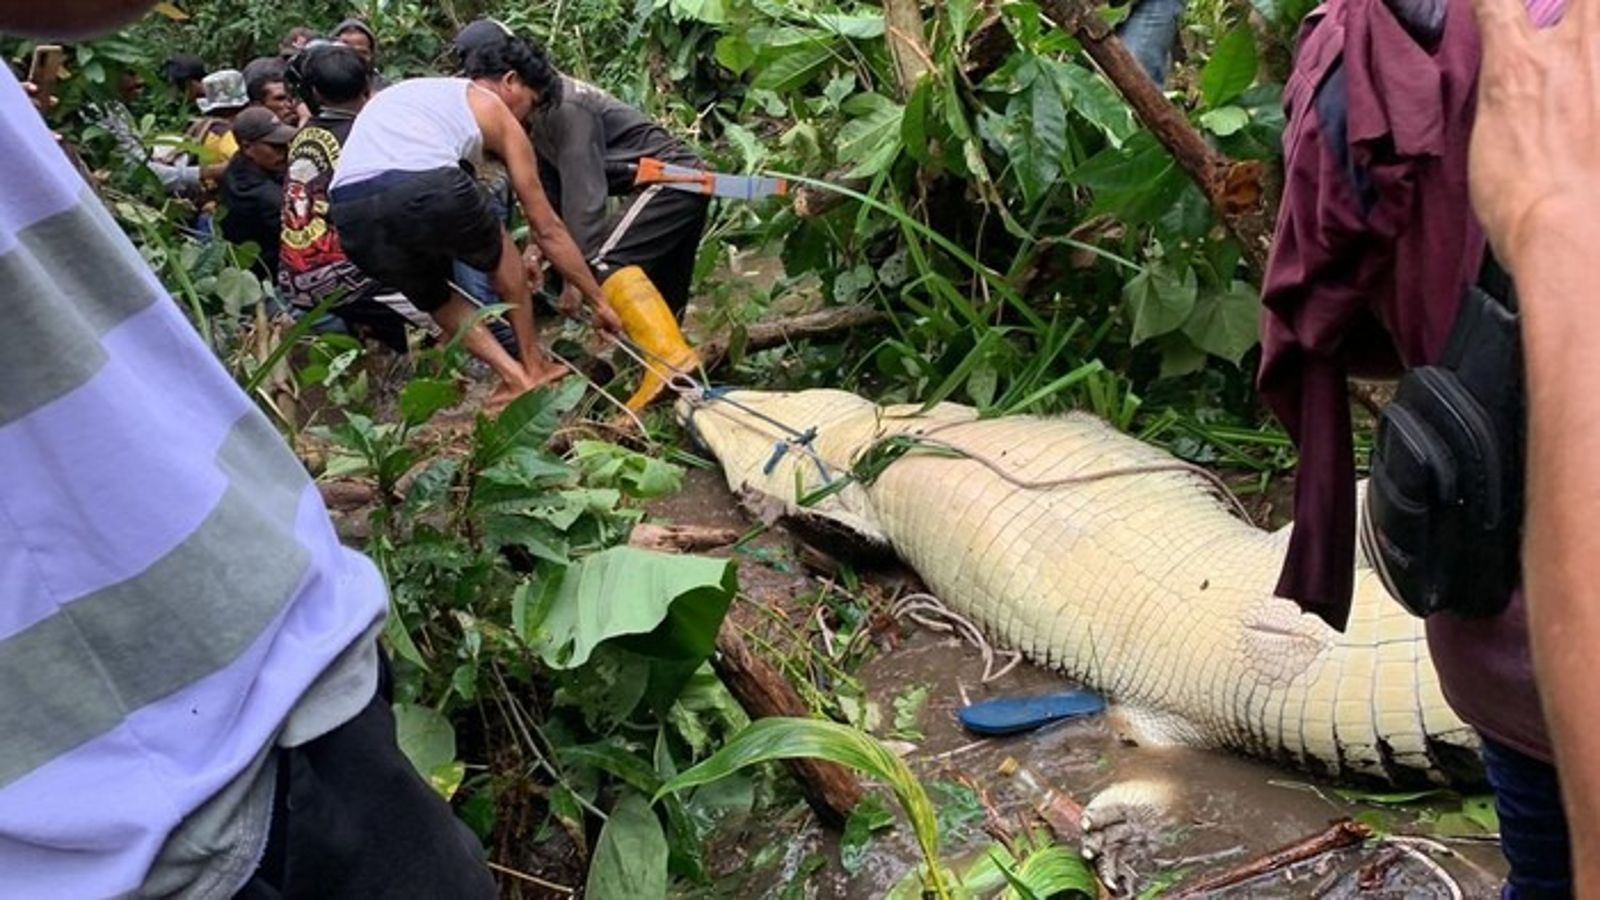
(1121, 827)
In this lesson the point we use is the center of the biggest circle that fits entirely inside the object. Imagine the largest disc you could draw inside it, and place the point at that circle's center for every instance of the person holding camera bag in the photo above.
(1380, 269)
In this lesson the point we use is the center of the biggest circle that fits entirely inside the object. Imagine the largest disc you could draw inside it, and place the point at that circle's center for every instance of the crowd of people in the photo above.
(385, 208)
(195, 702)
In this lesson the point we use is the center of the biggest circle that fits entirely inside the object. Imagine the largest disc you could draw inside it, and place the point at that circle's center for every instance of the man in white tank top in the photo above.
(406, 207)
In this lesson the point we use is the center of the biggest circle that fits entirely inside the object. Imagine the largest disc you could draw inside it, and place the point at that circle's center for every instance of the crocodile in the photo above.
(1113, 562)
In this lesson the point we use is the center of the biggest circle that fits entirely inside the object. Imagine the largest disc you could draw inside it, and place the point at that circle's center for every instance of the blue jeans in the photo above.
(1533, 828)
(1148, 33)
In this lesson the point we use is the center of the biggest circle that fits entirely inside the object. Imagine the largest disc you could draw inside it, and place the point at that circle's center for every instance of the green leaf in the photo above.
(914, 121)
(422, 397)
(425, 737)
(394, 631)
(1231, 68)
(1091, 97)
(1225, 120)
(795, 68)
(630, 859)
(675, 602)
(710, 12)
(1054, 871)
(238, 289)
(734, 53)
(871, 140)
(528, 421)
(859, 27)
(1224, 324)
(908, 710)
(869, 816)
(778, 738)
(446, 779)
(1480, 809)
(1159, 301)
(1035, 133)
(1179, 355)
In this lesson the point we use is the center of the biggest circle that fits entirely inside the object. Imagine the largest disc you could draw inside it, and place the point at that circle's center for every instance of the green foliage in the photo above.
(783, 738)
(630, 859)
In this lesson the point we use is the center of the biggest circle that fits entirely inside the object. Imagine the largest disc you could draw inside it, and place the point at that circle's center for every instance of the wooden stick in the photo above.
(827, 321)
(831, 789)
(1341, 834)
(1235, 188)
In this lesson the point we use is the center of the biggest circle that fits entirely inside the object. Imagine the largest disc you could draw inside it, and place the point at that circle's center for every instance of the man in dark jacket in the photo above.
(589, 146)
(252, 185)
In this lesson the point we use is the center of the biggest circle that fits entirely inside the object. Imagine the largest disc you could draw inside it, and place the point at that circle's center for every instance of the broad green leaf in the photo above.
(1091, 97)
(872, 139)
(425, 737)
(1224, 120)
(683, 836)
(778, 738)
(528, 421)
(1135, 165)
(238, 289)
(676, 601)
(422, 397)
(1231, 68)
(1159, 301)
(869, 817)
(794, 68)
(1179, 355)
(710, 12)
(1225, 324)
(859, 27)
(959, 13)
(1038, 137)
(630, 859)
(734, 53)
(1056, 872)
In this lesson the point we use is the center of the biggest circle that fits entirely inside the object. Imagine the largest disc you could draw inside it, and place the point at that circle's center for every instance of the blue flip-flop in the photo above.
(1011, 715)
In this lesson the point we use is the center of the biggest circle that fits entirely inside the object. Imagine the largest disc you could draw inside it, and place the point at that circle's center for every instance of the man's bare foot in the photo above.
(547, 374)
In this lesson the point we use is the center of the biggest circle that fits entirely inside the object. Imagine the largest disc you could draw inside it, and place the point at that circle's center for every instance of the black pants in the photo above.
(352, 818)
(659, 230)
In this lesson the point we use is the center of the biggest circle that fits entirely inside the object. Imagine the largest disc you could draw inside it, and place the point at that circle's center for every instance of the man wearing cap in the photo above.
(252, 185)
(223, 95)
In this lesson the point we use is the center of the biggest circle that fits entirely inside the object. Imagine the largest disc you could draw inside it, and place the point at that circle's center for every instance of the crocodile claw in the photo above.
(1121, 827)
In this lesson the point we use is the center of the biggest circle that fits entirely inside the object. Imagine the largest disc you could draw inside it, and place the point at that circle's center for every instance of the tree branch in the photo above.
(1234, 188)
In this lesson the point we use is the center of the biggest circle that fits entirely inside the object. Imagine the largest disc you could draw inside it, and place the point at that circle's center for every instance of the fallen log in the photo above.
(680, 538)
(831, 789)
(822, 323)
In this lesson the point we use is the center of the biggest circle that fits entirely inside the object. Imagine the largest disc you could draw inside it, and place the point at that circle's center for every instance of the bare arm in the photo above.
(503, 136)
(1535, 178)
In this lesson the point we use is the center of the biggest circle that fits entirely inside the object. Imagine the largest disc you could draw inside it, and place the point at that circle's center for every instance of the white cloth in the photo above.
(414, 126)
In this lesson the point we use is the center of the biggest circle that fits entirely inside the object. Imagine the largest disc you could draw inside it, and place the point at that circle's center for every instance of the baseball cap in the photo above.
(258, 124)
(478, 33)
(224, 90)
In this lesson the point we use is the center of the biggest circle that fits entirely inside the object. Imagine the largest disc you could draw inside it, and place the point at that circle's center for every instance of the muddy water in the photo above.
(1228, 810)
